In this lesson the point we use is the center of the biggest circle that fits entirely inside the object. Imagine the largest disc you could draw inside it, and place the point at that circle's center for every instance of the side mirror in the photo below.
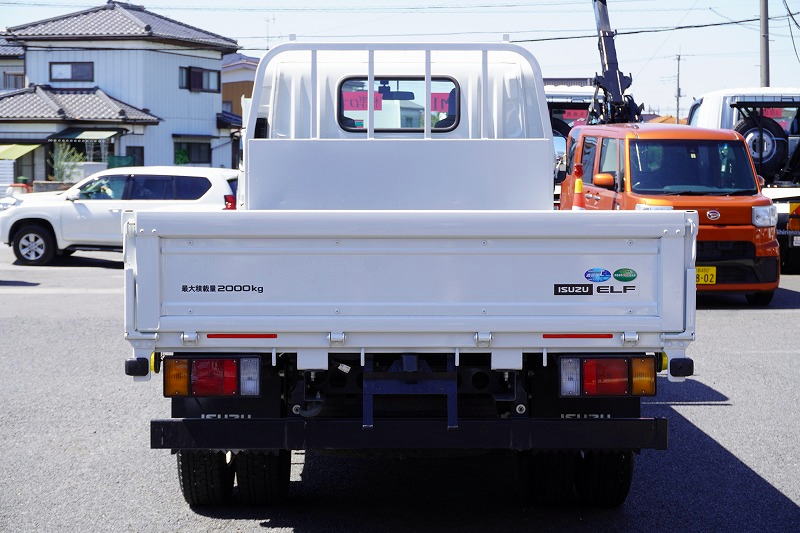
(604, 180)
(73, 195)
(761, 181)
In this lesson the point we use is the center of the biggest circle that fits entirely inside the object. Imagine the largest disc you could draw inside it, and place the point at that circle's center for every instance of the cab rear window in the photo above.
(399, 104)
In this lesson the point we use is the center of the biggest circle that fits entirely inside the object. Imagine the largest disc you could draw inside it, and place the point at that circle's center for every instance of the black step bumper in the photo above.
(347, 434)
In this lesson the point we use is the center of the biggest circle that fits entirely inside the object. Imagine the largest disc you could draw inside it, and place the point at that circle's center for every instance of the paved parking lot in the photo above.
(74, 431)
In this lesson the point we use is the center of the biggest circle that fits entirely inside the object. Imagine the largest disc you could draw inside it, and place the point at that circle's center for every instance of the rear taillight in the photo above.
(204, 376)
(607, 376)
(176, 377)
(230, 201)
(214, 377)
(249, 376)
(643, 376)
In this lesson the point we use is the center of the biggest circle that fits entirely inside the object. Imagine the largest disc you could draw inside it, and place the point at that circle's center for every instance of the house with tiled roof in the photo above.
(122, 85)
(238, 76)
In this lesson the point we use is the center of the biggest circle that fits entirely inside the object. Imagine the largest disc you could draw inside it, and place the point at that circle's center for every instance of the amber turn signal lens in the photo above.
(176, 377)
(643, 374)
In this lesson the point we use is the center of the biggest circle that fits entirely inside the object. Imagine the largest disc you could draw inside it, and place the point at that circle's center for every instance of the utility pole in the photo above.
(678, 92)
(764, 43)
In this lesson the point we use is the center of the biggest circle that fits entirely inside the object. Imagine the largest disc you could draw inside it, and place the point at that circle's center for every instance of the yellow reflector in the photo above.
(176, 377)
(643, 370)
(664, 362)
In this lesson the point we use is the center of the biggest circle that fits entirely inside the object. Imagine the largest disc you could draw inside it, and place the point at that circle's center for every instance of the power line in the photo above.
(790, 14)
(654, 30)
(339, 9)
(540, 39)
(789, 21)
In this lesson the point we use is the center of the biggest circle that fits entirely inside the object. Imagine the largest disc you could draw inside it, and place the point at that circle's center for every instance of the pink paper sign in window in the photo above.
(357, 101)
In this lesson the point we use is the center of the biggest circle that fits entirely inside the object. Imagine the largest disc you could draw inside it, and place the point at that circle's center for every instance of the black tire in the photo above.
(263, 476)
(790, 260)
(205, 476)
(548, 478)
(604, 478)
(759, 299)
(34, 245)
(776, 145)
(559, 127)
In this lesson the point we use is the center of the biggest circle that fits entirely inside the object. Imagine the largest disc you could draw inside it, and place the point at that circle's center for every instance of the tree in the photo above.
(63, 160)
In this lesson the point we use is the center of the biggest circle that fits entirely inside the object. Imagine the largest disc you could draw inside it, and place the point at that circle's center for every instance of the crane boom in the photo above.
(615, 106)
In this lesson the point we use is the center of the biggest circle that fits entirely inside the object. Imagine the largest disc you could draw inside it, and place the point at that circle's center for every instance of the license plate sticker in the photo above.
(795, 241)
(706, 275)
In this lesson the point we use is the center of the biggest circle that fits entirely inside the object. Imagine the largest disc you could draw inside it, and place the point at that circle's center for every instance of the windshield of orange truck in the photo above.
(690, 167)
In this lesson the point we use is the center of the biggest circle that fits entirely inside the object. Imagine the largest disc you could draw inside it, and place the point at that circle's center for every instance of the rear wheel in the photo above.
(34, 245)
(206, 477)
(604, 478)
(759, 299)
(548, 478)
(263, 476)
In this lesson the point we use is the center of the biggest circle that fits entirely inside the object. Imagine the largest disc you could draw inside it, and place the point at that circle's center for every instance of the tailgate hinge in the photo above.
(189, 338)
(630, 338)
(483, 339)
(336, 338)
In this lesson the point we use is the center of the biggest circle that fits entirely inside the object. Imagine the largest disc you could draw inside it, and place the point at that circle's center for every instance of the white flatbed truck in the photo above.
(396, 279)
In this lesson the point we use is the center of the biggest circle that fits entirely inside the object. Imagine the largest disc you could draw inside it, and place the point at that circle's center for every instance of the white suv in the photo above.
(87, 216)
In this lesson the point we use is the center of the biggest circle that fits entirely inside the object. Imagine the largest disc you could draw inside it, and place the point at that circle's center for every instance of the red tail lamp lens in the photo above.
(230, 201)
(605, 377)
(214, 377)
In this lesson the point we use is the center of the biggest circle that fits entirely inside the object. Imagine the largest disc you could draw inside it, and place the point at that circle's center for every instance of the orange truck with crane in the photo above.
(618, 163)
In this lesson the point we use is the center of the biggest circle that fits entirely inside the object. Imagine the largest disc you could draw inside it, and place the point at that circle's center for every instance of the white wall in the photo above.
(240, 73)
(30, 130)
(6, 174)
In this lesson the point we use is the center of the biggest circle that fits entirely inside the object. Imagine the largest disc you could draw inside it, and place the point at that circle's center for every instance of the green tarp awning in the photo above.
(15, 151)
(81, 134)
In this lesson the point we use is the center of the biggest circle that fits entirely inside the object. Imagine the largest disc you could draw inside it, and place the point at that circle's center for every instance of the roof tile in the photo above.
(42, 102)
(10, 50)
(120, 20)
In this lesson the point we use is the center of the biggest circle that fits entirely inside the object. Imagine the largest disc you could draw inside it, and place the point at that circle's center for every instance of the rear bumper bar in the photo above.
(347, 434)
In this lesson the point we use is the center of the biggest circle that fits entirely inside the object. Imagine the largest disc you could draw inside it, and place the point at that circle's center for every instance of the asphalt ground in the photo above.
(75, 437)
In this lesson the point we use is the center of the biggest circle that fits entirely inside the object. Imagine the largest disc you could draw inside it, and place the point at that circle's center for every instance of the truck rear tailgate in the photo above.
(411, 280)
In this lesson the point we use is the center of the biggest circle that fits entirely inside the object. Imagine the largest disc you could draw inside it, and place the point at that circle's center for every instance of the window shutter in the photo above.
(195, 79)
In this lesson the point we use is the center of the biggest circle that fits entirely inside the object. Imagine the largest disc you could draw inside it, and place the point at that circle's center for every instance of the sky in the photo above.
(711, 58)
